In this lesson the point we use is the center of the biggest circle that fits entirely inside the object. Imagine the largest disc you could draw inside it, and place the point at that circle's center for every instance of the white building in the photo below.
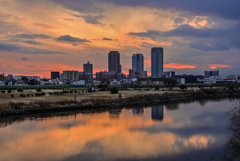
(81, 82)
(213, 79)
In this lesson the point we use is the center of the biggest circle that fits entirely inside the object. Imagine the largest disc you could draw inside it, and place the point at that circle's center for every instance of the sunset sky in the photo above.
(39, 36)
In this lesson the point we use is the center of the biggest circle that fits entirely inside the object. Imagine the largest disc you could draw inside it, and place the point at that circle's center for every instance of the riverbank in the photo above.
(35, 107)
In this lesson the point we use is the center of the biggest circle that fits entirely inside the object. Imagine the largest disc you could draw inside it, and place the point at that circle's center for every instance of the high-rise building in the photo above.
(208, 74)
(88, 68)
(157, 62)
(55, 75)
(138, 63)
(114, 62)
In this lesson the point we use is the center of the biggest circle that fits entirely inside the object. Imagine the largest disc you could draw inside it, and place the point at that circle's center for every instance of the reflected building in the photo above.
(157, 62)
(137, 111)
(157, 113)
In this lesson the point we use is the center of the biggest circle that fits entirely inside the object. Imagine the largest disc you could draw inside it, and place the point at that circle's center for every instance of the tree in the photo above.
(24, 79)
(182, 86)
(114, 90)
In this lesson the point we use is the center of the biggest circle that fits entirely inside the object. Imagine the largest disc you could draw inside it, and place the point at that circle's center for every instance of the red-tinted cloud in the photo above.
(214, 66)
(179, 66)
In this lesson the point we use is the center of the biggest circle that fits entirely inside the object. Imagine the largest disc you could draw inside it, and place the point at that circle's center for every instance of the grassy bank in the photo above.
(110, 100)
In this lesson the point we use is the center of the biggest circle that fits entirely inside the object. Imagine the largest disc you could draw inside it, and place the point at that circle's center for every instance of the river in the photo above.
(169, 132)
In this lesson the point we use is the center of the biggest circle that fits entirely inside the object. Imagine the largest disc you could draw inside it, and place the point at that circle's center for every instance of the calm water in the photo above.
(193, 131)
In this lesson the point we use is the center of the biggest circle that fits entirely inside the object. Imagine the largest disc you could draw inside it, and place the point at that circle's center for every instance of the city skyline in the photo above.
(55, 35)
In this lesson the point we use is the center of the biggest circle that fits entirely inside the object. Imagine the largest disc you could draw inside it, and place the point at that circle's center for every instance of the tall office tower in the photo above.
(138, 63)
(88, 68)
(114, 62)
(157, 62)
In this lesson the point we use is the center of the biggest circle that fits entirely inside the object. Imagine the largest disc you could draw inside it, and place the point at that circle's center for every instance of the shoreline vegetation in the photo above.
(143, 98)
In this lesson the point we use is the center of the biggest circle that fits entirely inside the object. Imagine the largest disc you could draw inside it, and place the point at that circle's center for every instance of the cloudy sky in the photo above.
(37, 37)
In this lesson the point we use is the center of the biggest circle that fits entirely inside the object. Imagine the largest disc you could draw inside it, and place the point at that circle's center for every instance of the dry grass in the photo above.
(101, 98)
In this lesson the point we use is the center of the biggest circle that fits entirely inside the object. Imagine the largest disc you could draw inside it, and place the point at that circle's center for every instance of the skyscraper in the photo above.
(157, 62)
(114, 62)
(88, 68)
(138, 63)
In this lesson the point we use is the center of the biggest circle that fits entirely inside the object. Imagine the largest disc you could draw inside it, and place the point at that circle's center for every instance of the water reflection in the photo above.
(190, 133)
(138, 111)
(115, 113)
(157, 113)
(172, 106)
(233, 143)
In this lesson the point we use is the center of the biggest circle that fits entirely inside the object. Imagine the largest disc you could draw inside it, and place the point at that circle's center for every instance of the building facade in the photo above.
(208, 74)
(88, 68)
(55, 75)
(157, 62)
(169, 74)
(114, 62)
(70, 75)
(138, 63)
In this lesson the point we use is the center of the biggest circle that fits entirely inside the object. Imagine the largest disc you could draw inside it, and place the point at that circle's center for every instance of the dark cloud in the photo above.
(224, 8)
(183, 31)
(26, 50)
(9, 47)
(31, 50)
(178, 20)
(92, 19)
(107, 39)
(24, 59)
(68, 38)
(210, 45)
(146, 44)
(86, 6)
(31, 36)
(207, 39)
(32, 42)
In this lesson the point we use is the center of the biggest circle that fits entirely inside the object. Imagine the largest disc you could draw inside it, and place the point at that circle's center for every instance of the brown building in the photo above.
(114, 62)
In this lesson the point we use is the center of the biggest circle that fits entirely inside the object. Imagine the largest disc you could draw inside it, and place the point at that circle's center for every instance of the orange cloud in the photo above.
(214, 66)
(44, 26)
(179, 66)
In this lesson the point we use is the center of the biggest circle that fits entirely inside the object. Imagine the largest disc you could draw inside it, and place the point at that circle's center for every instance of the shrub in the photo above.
(28, 95)
(20, 90)
(43, 93)
(114, 90)
(3, 91)
(182, 86)
(12, 95)
(22, 95)
(10, 91)
(38, 89)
